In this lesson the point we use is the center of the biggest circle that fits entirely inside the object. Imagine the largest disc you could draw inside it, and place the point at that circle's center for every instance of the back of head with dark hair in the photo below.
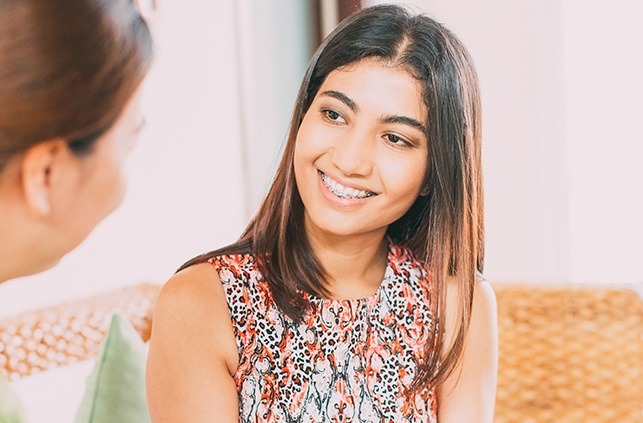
(67, 69)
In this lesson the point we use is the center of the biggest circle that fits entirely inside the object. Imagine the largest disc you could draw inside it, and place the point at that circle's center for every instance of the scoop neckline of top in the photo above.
(385, 279)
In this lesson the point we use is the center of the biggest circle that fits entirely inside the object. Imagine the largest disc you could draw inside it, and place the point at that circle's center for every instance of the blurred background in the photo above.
(562, 89)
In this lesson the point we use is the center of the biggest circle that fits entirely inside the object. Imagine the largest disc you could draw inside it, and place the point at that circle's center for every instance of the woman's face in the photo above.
(361, 152)
(98, 186)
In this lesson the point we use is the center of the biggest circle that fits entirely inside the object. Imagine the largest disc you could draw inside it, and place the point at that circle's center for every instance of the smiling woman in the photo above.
(359, 165)
(353, 295)
(70, 76)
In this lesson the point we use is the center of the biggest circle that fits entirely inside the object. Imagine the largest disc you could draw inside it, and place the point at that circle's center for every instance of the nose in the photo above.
(353, 154)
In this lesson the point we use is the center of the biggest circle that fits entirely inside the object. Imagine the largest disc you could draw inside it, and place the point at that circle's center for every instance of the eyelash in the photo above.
(397, 139)
(327, 112)
(391, 138)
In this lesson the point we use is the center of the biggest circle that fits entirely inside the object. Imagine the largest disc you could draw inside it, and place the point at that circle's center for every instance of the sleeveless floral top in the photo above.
(345, 361)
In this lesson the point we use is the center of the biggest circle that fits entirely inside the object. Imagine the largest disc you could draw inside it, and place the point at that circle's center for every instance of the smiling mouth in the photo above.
(342, 191)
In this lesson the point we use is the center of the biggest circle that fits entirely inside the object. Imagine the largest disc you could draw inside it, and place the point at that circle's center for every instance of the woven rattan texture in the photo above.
(70, 332)
(569, 354)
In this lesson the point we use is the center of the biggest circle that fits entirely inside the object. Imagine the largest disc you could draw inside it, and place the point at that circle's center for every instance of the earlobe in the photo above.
(424, 191)
(36, 170)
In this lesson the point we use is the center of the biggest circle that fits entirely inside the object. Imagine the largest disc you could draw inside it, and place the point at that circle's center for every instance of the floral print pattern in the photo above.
(345, 361)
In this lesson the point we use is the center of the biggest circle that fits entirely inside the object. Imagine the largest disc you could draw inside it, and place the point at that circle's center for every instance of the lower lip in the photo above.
(339, 201)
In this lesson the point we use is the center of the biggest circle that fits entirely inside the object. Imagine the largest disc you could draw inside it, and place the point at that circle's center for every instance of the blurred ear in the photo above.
(38, 165)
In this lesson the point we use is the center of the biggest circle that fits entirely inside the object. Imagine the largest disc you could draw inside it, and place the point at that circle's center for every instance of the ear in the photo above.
(424, 191)
(36, 173)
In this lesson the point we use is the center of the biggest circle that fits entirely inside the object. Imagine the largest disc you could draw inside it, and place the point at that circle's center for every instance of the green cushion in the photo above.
(116, 387)
(11, 409)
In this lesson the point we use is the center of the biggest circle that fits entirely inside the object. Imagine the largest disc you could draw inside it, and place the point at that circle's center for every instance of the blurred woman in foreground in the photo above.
(70, 78)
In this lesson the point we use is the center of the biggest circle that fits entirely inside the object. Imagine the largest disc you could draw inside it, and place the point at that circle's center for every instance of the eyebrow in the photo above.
(341, 97)
(404, 120)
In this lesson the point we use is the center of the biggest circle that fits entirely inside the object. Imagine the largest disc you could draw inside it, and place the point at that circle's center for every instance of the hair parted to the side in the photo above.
(67, 70)
(443, 229)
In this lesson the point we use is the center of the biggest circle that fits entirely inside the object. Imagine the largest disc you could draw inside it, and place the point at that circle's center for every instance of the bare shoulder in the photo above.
(192, 306)
(193, 352)
(484, 302)
(483, 329)
(195, 287)
(483, 309)
(469, 393)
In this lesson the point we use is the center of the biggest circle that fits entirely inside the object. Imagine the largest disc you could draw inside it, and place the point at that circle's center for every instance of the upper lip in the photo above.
(347, 184)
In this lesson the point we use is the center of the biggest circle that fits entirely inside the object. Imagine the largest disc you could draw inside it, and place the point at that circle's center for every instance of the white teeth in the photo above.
(342, 191)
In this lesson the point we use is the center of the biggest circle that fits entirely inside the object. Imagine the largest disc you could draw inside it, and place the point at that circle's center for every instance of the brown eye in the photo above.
(333, 116)
(397, 141)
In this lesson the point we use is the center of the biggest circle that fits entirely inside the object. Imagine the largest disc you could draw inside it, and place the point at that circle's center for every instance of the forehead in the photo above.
(376, 84)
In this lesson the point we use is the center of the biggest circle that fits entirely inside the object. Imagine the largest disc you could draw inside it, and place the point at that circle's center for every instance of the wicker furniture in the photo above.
(569, 354)
(67, 333)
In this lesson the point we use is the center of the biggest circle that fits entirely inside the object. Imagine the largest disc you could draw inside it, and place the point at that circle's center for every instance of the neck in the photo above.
(14, 253)
(16, 261)
(9, 267)
(355, 265)
(21, 252)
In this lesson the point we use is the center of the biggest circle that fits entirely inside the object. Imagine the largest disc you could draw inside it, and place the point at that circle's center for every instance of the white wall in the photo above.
(517, 51)
(275, 46)
(186, 183)
(604, 109)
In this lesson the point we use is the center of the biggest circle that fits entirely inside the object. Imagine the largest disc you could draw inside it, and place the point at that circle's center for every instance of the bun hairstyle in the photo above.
(67, 70)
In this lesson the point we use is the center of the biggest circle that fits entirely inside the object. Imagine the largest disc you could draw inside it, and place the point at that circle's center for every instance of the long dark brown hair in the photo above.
(67, 70)
(443, 229)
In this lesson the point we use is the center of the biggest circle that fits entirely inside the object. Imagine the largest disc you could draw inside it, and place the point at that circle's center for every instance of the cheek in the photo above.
(405, 177)
(116, 170)
(111, 186)
(299, 166)
(118, 186)
(101, 194)
(305, 152)
(314, 138)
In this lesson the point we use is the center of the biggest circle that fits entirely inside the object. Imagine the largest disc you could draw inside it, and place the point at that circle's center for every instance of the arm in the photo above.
(468, 395)
(193, 351)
